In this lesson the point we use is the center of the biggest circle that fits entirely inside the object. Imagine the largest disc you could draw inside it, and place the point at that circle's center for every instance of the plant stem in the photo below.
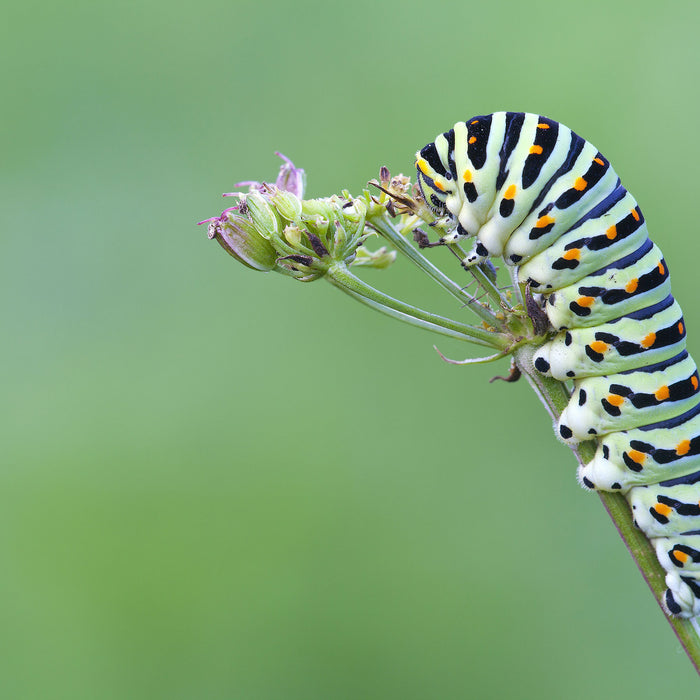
(341, 277)
(383, 226)
(491, 289)
(555, 396)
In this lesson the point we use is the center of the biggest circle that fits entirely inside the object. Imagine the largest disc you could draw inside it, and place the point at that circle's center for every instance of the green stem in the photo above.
(341, 277)
(491, 289)
(555, 397)
(383, 226)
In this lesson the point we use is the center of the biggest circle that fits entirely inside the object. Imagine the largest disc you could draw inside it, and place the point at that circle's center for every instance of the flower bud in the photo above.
(340, 239)
(293, 235)
(317, 208)
(261, 214)
(288, 205)
(380, 259)
(356, 211)
(239, 238)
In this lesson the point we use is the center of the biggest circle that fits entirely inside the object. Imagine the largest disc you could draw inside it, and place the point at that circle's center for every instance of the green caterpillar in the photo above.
(530, 190)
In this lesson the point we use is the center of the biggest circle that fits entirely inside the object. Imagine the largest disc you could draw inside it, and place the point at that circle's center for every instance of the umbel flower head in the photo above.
(273, 228)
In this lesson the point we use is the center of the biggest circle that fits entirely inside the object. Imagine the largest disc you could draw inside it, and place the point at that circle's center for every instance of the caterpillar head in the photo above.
(435, 181)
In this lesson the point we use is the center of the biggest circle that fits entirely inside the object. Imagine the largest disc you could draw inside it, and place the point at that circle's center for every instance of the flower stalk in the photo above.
(381, 223)
(343, 279)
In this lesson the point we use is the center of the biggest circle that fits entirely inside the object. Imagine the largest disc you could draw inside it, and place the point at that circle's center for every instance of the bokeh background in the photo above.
(216, 483)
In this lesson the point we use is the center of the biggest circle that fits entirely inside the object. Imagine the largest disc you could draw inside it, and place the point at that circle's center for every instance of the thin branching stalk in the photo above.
(339, 275)
(491, 289)
(384, 227)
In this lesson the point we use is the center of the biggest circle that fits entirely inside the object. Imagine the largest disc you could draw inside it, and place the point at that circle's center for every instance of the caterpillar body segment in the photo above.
(666, 453)
(611, 403)
(584, 249)
(676, 511)
(636, 281)
(529, 189)
(627, 342)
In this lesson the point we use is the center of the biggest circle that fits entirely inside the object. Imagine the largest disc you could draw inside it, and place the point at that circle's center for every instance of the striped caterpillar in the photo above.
(529, 189)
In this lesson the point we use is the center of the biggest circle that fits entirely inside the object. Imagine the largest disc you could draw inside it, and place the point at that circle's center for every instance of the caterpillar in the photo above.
(530, 190)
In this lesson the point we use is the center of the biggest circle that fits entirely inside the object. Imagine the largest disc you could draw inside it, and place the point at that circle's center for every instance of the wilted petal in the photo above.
(290, 178)
(252, 185)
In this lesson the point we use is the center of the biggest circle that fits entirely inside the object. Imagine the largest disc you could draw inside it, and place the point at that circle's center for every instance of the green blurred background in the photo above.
(222, 484)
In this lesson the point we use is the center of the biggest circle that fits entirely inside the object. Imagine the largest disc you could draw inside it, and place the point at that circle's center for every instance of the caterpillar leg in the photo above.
(682, 597)
(478, 254)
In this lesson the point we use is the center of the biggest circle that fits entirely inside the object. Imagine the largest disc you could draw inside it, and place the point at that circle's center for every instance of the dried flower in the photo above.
(289, 179)
(400, 197)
